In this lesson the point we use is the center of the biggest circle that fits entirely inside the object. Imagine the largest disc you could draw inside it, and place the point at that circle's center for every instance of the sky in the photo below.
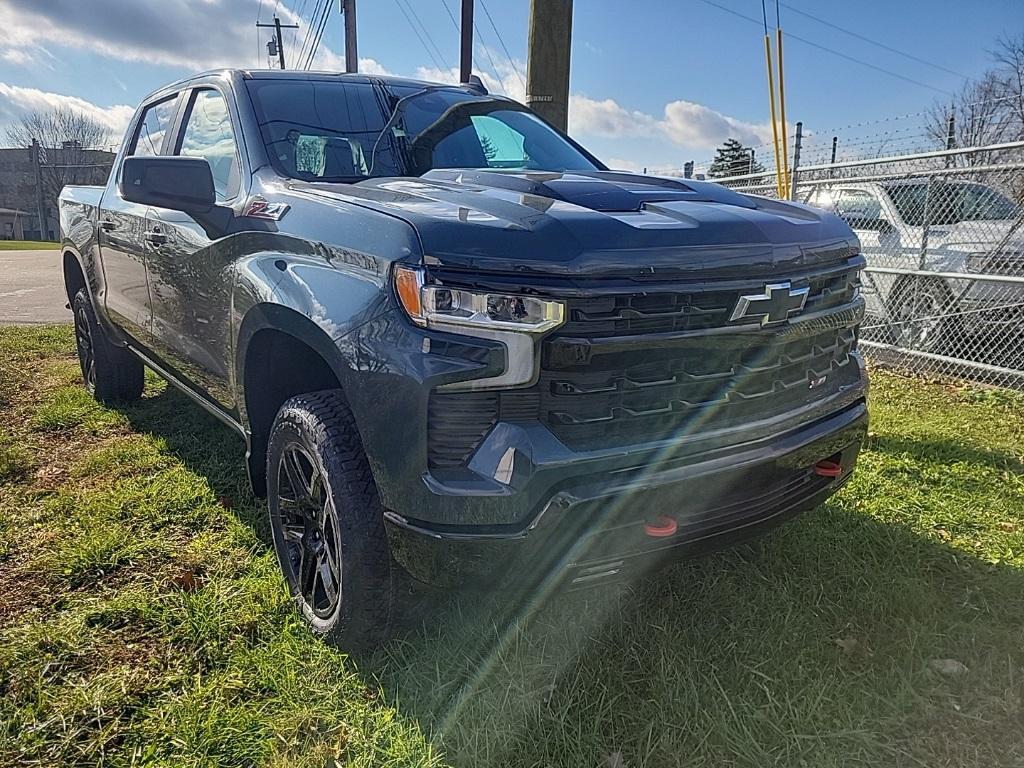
(653, 83)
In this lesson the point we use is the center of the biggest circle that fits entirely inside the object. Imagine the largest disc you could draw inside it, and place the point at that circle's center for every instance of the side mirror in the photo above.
(178, 183)
(863, 220)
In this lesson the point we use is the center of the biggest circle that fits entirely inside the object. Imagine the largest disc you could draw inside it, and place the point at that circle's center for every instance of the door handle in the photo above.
(156, 237)
(106, 225)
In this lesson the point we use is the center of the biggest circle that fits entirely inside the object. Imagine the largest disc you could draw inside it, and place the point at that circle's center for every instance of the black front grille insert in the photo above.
(650, 395)
(668, 311)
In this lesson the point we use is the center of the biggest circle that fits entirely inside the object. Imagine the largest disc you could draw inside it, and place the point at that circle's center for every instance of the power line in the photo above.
(314, 21)
(259, 48)
(319, 35)
(430, 38)
(834, 52)
(316, 33)
(883, 46)
(502, 42)
(438, 61)
(490, 58)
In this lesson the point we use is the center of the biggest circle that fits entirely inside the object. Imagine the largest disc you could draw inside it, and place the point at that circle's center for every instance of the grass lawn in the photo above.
(28, 245)
(143, 620)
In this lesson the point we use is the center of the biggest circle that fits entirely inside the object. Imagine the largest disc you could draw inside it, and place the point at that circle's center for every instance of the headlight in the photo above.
(514, 320)
(436, 306)
(978, 262)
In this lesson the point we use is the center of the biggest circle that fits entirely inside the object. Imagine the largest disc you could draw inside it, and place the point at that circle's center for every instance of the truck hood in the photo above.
(980, 235)
(595, 223)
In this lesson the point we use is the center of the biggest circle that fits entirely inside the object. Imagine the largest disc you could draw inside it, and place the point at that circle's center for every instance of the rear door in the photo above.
(190, 273)
(122, 226)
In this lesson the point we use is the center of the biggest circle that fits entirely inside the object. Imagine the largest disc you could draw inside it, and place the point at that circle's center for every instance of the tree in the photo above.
(67, 140)
(989, 109)
(733, 159)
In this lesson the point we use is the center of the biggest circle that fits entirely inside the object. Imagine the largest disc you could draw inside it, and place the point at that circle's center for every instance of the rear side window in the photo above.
(156, 121)
(208, 134)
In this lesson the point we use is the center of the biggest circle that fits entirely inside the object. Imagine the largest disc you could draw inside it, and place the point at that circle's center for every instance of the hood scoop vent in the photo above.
(604, 191)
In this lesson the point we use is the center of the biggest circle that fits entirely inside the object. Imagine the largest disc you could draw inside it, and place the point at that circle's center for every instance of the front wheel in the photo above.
(327, 522)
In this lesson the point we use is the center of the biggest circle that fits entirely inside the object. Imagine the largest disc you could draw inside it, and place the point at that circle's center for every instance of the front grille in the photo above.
(643, 395)
(669, 310)
(598, 389)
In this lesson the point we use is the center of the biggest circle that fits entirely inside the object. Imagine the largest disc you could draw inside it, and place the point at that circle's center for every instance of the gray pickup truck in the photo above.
(456, 345)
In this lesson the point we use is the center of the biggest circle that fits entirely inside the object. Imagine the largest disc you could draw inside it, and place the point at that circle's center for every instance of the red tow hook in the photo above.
(828, 468)
(662, 526)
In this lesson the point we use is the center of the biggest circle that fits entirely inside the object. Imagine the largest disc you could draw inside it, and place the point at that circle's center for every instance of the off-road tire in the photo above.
(931, 298)
(319, 428)
(112, 374)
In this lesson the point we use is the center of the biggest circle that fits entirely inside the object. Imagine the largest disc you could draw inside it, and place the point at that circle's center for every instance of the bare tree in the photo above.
(988, 110)
(67, 140)
(1009, 58)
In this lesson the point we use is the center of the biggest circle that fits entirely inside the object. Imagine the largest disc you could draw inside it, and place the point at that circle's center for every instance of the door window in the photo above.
(860, 205)
(156, 120)
(208, 135)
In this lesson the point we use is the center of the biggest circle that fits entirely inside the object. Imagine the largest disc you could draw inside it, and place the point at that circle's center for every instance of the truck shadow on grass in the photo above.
(830, 642)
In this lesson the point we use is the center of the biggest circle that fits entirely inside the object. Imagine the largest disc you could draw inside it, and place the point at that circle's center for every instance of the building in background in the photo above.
(19, 210)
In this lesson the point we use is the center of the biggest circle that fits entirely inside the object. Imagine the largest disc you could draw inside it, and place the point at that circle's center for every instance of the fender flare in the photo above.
(282, 319)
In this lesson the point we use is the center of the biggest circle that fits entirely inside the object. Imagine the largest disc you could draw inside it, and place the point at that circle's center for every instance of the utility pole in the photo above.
(37, 173)
(278, 26)
(466, 42)
(547, 71)
(348, 10)
(951, 134)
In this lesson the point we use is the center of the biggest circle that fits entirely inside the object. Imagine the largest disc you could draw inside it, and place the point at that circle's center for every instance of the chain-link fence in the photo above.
(943, 235)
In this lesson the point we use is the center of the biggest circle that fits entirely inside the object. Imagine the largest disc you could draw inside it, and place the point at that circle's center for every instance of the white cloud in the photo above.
(622, 164)
(501, 77)
(684, 123)
(607, 118)
(16, 101)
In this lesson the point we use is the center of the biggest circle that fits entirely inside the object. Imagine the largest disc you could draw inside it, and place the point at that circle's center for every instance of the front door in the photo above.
(190, 273)
(122, 227)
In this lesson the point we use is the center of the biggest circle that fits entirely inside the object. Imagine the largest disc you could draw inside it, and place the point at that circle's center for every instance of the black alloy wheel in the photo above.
(86, 348)
(309, 528)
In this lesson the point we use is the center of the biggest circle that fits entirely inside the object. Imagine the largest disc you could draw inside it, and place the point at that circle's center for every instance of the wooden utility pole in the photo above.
(348, 10)
(466, 42)
(37, 173)
(278, 26)
(547, 71)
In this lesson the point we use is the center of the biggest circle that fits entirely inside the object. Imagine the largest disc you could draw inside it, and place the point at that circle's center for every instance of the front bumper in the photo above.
(592, 527)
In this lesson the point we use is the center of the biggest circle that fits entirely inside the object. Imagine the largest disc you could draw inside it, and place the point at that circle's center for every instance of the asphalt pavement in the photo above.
(32, 288)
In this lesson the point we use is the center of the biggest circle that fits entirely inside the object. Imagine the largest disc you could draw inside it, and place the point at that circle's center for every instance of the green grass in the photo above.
(28, 245)
(144, 622)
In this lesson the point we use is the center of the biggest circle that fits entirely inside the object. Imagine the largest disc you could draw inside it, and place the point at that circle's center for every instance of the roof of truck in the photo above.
(299, 74)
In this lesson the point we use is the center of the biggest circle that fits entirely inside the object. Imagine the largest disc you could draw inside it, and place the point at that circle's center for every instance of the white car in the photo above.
(973, 229)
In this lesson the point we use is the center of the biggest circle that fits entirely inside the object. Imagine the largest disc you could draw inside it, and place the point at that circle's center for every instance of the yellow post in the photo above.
(775, 123)
(782, 119)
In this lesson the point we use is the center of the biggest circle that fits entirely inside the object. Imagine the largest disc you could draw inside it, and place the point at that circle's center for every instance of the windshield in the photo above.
(950, 203)
(331, 130)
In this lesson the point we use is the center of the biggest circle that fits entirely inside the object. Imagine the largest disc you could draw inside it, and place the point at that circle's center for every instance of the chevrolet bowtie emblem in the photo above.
(775, 305)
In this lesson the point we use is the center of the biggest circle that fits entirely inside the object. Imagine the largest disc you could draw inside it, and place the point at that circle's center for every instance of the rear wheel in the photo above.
(327, 522)
(111, 374)
(923, 315)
